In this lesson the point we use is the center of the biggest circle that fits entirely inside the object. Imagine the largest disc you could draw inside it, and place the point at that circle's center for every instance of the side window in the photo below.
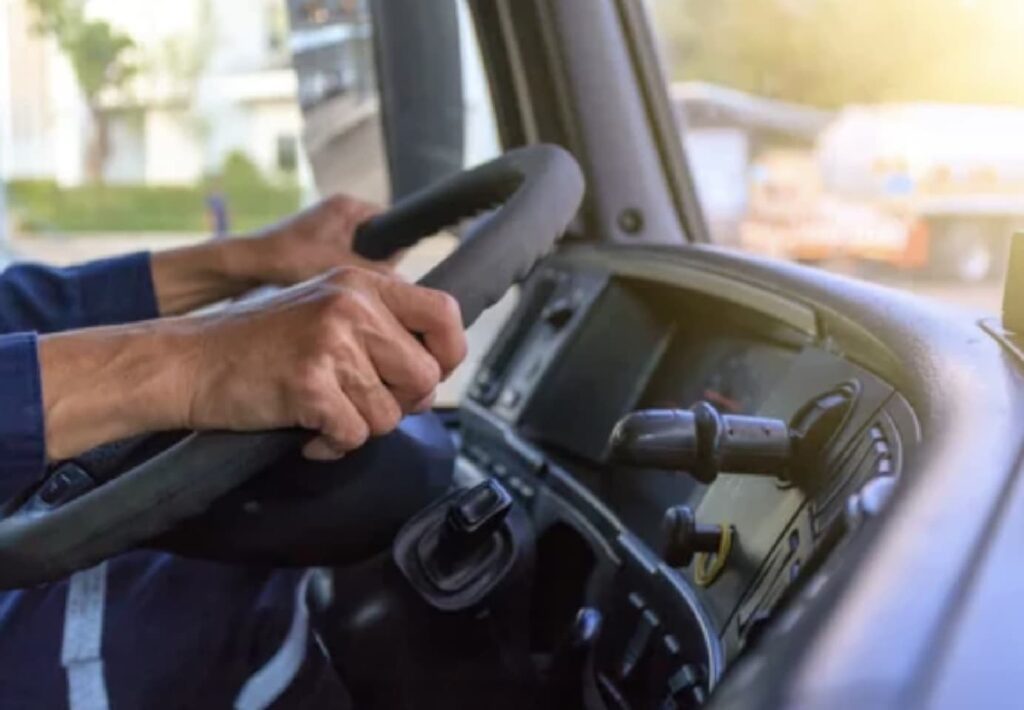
(251, 109)
(878, 138)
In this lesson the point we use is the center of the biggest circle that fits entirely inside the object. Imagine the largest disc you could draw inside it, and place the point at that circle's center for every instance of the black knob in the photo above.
(558, 313)
(684, 537)
(702, 442)
(479, 511)
(469, 525)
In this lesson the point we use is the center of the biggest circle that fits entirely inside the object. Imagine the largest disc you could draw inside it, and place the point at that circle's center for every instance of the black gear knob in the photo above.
(479, 511)
(684, 537)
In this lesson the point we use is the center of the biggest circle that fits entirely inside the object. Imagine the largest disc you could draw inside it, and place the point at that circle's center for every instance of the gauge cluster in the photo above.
(732, 372)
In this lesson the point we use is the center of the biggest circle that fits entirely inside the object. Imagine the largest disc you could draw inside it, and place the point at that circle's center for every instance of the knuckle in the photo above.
(313, 413)
(449, 309)
(337, 301)
(354, 277)
(305, 379)
(337, 202)
(385, 417)
(352, 304)
(356, 380)
(425, 377)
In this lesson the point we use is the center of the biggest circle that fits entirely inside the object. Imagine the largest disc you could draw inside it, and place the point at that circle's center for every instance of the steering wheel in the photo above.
(533, 192)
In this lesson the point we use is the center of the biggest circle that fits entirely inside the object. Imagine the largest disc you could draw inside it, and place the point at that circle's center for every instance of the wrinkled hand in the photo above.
(335, 355)
(316, 240)
(289, 252)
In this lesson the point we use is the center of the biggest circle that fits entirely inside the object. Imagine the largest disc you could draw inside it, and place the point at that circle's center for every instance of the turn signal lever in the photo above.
(704, 443)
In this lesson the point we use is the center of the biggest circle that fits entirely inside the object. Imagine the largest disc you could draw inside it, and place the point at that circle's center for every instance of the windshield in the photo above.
(877, 138)
(128, 126)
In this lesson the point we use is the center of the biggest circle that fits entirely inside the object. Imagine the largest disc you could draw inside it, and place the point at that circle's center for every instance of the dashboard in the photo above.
(593, 340)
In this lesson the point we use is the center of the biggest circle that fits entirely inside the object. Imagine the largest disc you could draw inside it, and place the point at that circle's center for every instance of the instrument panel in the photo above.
(588, 346)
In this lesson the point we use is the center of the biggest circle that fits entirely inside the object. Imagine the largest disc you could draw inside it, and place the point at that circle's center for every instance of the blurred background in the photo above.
(879, 138)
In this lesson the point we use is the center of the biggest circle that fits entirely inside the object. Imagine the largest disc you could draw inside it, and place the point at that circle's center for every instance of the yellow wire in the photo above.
(705, 574)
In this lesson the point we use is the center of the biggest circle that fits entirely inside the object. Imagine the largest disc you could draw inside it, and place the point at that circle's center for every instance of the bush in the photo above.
(240, 174)
(43, 206)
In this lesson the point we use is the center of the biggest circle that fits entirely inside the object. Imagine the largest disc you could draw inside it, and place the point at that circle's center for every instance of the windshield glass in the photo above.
(877, 138)
(128, 126)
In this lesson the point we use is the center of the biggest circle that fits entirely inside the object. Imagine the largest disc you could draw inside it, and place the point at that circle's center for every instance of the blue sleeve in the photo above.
(105, 292)
(43, 299)
(22, 433)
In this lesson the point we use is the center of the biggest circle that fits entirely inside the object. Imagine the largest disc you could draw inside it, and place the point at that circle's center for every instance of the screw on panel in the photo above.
(631, 221)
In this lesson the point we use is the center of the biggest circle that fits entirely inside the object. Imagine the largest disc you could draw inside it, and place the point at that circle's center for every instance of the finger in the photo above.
(360, 382)
(362, 211)
(402, 362)
(340, 425)
(349, 207)
(433, 314)
(322, 449)
(425, 404)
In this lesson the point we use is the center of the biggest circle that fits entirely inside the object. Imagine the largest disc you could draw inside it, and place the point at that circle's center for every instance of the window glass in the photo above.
(878, 138)
(250, 109)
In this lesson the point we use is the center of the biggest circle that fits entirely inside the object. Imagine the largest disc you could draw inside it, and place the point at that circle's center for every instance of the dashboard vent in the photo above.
(872, 453)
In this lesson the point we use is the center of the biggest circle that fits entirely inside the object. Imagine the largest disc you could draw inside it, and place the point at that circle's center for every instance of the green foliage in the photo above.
(239, 174)
(833, 52)
(101, 59)
(43, 206)
(99, 54)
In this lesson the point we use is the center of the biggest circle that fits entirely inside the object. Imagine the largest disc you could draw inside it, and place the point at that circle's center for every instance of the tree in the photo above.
(182, 61)
(101, 58)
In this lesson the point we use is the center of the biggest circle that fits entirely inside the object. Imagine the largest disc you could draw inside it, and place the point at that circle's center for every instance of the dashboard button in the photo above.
(559, 313)
(684, 537)
(510, 398)
(65, 484)
(685, 687)
(639, 643)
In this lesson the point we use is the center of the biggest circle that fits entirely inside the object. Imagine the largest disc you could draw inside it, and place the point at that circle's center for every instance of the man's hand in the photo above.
(294, 250)
(336, 356)
(314, 241)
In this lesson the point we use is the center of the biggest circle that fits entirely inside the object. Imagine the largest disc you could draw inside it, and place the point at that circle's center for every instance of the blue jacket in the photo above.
(146, 629)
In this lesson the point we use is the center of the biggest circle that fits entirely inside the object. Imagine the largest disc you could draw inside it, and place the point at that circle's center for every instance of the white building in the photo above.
(167, 127)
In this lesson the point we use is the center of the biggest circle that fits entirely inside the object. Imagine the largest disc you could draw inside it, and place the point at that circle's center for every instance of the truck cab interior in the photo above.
(681, 476)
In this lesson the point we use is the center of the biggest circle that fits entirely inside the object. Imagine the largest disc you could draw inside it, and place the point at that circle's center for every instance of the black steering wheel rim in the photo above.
(534, 193)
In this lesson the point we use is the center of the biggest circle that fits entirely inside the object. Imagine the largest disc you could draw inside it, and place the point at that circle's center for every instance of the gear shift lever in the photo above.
(461, 548)
(463, 541)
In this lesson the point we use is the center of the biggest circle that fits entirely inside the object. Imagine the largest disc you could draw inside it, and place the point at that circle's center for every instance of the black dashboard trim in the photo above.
(966, 394)
(557, 482)
(767, 302)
